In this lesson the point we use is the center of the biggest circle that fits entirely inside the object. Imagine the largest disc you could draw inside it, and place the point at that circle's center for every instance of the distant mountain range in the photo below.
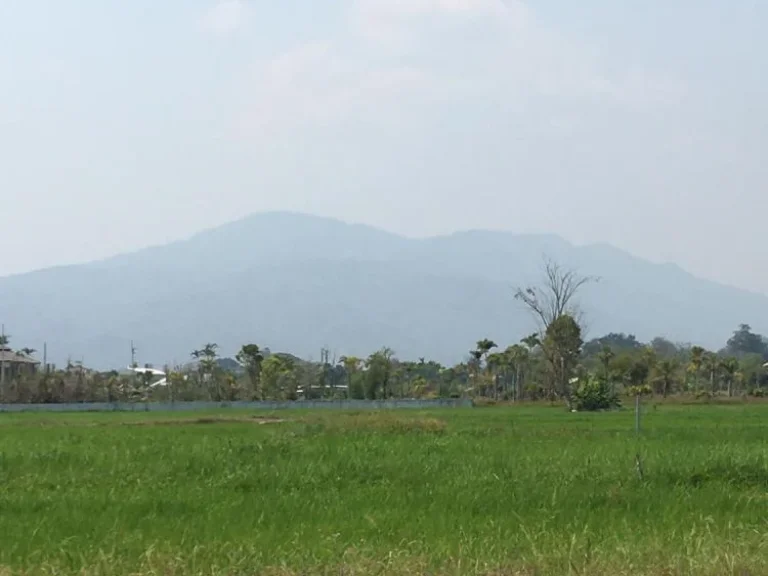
(298, 283)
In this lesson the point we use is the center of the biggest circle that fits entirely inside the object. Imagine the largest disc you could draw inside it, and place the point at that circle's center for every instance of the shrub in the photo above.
(594, 394)
(643, 390)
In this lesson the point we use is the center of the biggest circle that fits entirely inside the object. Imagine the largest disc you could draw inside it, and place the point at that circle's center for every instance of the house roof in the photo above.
(8, 355)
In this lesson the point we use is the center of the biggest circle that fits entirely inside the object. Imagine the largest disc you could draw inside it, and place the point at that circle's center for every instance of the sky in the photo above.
(641, 123)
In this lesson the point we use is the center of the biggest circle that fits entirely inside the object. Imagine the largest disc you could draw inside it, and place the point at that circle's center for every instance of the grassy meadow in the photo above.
(491, 491)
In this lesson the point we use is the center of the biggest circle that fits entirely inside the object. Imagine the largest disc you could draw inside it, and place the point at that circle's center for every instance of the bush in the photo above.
(643, 390)
(757, 393)
(593, 394)
(357, 390)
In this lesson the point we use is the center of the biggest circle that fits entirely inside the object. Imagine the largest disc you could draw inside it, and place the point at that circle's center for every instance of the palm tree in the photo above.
(649, 357)
(711, 367)
(695, 363)
(473, 366)
(729, 368)
(665, 375)
(518, 358)
(497, 363)
(251, 358)
(379, 367)
(206, 358)
(484, 347)
(606, 356)
(480, 354)
(531, 341)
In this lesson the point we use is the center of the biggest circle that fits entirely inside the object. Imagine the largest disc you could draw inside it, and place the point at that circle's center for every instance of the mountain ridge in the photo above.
(296, 282)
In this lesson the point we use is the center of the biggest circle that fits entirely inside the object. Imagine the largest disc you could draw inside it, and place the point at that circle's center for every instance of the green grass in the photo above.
(501, 491)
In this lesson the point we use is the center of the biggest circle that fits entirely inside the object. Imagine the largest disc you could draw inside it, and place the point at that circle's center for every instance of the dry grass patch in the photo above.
(389, 566)
(121, 419)
(209, 420)
(383, 422)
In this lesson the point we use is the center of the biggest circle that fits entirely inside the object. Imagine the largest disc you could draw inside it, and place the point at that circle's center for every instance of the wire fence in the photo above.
(197, 406)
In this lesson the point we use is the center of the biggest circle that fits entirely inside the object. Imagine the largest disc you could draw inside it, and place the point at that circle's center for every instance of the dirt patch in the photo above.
(385, 422)
(258, 420)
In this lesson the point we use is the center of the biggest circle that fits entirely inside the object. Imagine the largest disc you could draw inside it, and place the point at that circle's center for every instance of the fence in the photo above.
(192, 406)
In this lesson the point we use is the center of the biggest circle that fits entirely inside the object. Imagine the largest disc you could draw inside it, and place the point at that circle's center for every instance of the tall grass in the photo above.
(491, 491)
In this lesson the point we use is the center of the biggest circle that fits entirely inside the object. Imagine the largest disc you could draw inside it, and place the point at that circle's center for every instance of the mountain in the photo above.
(298, 283)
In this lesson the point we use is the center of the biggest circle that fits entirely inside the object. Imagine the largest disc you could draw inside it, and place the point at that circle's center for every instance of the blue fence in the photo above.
(193, 406)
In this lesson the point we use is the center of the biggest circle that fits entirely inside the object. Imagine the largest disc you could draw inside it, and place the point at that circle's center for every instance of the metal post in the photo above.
(2, 359)
(638, 459)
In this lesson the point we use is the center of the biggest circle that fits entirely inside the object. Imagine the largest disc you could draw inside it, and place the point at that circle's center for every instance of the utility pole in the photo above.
(45, 357)
(168, 384)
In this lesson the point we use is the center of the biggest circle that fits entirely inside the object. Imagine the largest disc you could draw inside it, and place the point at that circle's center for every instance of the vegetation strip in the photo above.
(494, 491)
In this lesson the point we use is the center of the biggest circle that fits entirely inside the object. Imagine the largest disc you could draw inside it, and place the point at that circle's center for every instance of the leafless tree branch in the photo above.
(554, 297)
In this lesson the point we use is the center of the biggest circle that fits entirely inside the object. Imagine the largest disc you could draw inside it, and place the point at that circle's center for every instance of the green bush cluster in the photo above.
(595, 394)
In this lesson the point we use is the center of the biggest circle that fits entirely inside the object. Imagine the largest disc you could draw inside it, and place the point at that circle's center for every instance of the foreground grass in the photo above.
(501, 491)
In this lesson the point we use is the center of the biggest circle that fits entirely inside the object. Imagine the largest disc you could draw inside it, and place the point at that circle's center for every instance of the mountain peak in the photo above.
(296, 283)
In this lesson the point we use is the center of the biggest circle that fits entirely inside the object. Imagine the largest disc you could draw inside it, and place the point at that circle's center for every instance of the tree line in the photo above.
(553, 363)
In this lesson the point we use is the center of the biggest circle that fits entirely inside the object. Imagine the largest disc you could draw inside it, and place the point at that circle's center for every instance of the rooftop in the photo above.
(8, 355)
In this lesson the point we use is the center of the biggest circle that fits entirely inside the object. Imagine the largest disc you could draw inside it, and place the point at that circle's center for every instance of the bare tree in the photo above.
(555, 296)
(553, 305)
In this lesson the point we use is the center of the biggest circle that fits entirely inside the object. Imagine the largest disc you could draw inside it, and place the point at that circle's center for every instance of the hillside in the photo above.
(297, 283)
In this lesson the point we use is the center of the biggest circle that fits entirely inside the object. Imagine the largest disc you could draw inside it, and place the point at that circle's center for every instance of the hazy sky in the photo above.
(643, 123)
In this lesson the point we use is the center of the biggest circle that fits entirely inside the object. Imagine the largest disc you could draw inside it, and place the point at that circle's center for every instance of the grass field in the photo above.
(496, 491)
